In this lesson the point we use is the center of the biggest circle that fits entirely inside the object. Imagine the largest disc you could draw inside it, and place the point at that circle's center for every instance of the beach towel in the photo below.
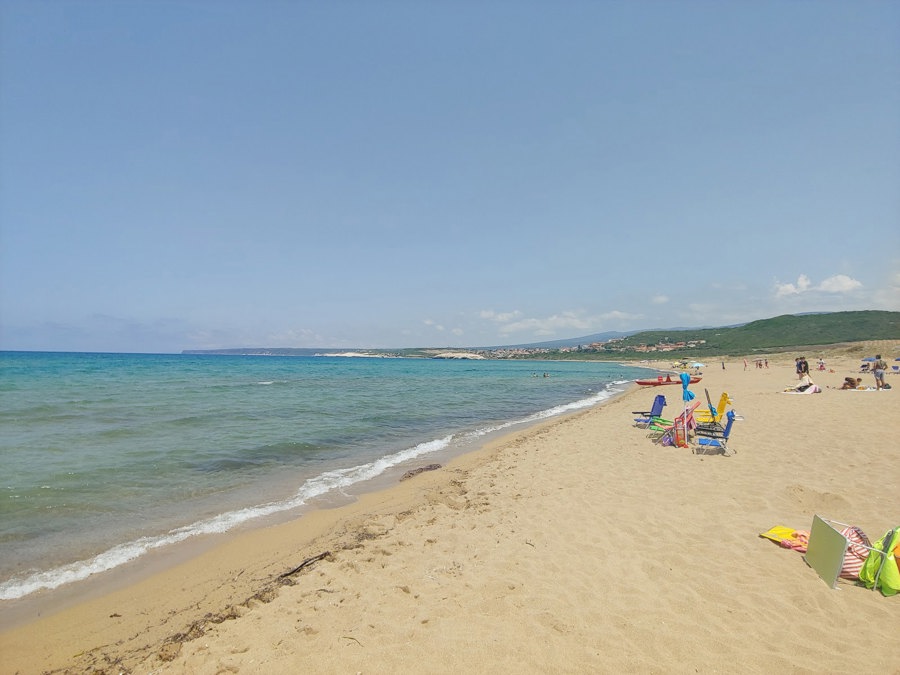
(787, 537)
(812, 389)
(856, 552)
(889, 579)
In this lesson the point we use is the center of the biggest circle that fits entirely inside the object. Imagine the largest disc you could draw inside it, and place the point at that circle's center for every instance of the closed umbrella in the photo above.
(687, 395)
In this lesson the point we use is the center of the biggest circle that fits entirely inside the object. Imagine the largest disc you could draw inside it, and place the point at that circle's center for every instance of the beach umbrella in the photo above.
(698, 365)
(869, 358)
(687, 395)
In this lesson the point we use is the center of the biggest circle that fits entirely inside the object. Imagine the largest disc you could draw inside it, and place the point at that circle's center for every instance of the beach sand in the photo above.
(574, 546)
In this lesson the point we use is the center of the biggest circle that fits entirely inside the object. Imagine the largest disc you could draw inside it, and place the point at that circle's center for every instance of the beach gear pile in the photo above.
(873, 565)
(880, 568)
(705, 429)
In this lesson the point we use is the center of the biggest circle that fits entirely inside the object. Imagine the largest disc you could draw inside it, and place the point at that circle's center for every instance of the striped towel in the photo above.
(856, 552)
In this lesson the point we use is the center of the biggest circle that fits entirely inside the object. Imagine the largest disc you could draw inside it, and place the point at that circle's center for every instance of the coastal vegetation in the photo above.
(777, 334)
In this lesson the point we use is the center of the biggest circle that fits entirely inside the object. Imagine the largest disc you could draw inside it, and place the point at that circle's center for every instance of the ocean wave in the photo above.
(329, 481)
(337, 480)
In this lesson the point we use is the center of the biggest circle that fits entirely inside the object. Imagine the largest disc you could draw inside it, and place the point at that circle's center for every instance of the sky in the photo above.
(190, 174)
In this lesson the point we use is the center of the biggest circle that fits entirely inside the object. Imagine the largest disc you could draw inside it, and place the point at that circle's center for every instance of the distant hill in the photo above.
(777, 333)
(789, 330)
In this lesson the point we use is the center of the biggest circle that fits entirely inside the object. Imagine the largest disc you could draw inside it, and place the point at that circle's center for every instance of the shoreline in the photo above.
(367, 463)
(573, 544)
(252, 558)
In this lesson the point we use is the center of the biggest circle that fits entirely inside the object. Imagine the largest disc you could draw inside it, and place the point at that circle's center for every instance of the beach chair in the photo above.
(714, 436)
(660, 422)
(646, 417)
(713, 414)
(666, 431)
(828, 550)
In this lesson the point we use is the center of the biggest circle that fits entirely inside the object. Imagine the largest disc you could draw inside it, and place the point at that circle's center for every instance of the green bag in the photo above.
(889, 579)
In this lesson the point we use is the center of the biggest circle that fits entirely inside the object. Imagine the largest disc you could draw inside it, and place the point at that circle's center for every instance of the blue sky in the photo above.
(188, 175)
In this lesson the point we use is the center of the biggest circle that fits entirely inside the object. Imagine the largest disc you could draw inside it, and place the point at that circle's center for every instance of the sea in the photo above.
(105, 458)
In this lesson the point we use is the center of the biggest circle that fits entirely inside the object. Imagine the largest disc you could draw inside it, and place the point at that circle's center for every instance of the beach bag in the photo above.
(786, 537)
(856, 553)
(889, 579)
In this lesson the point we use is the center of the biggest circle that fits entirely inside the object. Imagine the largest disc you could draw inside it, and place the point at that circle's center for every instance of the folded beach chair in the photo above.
(713, 414)
(713, 429)
(666, 431)
(714, 436)
(647, 417)
(660, 422)
(834, 554)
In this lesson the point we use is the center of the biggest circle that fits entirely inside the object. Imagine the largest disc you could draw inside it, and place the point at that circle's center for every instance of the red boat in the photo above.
(666, 379)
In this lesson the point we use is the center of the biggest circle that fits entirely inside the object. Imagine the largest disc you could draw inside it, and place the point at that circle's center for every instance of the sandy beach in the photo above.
(574, 546)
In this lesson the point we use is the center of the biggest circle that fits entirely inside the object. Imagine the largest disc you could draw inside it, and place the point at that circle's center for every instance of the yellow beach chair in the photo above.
(713, 415)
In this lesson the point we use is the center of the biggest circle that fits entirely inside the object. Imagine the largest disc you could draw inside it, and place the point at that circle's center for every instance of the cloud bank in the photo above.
(839, 283)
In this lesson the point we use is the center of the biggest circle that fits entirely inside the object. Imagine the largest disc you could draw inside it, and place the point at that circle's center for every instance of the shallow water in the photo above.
(107, 456)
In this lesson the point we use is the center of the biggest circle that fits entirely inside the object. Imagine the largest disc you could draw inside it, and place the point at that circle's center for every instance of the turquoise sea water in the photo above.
(104, 457)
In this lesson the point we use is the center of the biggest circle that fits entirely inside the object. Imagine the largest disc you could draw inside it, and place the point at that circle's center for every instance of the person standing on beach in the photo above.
(802, 367)
(878, 369)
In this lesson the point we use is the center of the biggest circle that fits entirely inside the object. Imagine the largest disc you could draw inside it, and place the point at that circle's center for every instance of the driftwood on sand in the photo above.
(416, 472)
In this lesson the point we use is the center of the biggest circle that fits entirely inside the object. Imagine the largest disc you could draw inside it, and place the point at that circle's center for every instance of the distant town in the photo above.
(757, 337)
(614, 346)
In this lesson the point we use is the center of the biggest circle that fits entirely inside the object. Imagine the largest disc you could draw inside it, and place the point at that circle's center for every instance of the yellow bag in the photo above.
(888, 547)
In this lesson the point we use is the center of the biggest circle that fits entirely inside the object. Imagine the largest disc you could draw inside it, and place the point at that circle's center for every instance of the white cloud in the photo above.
(839, 283)
(888, 297)
(548, 326)
(500, 317)
(782, 290)
(434, 324)
(562, 323)
(616, 315)
(660, 300)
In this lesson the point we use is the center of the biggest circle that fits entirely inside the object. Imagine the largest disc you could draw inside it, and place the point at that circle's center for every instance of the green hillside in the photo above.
(766, 335)
(779, 332)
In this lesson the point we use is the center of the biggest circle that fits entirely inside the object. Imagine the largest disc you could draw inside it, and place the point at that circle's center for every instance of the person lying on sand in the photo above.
(852, 383)
(804, 384)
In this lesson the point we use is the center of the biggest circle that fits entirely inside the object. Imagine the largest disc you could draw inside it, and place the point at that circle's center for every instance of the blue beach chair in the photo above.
(647, 416)
(711, 438)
